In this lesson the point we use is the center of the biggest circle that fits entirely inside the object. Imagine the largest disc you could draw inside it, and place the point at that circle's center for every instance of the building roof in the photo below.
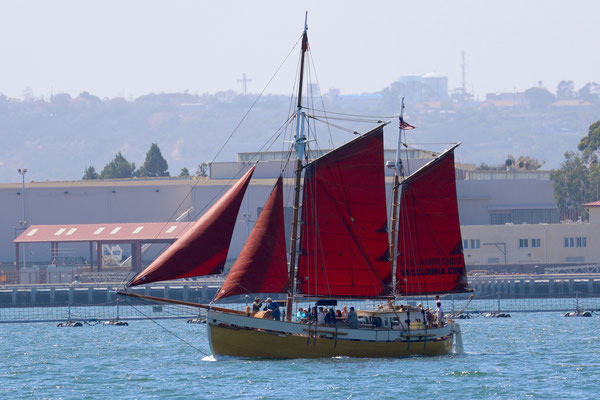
(146, 232)
(592, 204)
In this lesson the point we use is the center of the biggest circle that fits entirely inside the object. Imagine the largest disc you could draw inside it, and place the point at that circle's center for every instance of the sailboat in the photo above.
(343, 248)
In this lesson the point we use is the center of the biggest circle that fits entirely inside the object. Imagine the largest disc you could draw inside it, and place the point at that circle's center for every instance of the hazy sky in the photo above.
(110, 48)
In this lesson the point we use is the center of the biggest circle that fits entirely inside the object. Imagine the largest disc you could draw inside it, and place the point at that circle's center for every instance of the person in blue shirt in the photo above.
(300, 315)
(274, 308)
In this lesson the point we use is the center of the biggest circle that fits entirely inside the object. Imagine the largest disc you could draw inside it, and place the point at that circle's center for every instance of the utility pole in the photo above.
(244, 82)
(23, 222)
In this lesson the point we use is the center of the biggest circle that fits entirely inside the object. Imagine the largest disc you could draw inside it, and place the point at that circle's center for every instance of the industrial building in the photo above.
(509, 218)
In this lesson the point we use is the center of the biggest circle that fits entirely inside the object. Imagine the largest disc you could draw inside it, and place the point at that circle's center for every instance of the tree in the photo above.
(202, 169)
(118, 168)
(184, 172)
(539, 98)
(565, 90)
(590, 92)
(155, 164)
(577, 181)
(591, 142)
(90, 173)
(528, 163)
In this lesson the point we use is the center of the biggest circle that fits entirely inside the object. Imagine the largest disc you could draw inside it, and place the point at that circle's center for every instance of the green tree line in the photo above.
(155, 165)
(577, 181)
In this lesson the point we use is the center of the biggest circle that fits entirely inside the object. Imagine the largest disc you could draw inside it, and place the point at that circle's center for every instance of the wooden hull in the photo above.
(249, 341)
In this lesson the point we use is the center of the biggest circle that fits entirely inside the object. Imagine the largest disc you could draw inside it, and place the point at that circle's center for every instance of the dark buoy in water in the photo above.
(579, 313)
(116, 322)
(69, 324)
(497, 314)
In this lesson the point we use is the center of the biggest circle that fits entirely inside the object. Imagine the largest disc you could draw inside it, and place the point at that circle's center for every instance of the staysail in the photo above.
(344, 241)
(261, 266)
(430, 254)
(202, 250)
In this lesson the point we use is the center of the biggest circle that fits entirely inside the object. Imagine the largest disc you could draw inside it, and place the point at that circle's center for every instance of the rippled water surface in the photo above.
(531, 355)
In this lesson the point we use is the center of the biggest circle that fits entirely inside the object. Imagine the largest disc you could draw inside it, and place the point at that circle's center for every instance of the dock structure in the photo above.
(60, 295)
(536, 286)
(203, 291)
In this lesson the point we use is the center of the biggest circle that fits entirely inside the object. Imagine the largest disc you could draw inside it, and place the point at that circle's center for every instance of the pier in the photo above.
(521, 286)
(96, 294)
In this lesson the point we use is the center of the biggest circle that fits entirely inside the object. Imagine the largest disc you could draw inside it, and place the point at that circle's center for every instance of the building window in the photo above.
(474, 243)
(523, 243)
(536, 243)
(569, 242)
(581, 242)
(579, 259)
(465, 244)
(500, 218)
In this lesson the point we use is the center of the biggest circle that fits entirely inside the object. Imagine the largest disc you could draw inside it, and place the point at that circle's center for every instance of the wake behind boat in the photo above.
(342, 247)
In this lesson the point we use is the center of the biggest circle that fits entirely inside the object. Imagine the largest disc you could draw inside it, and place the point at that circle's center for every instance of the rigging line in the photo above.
(166, 329)
(358, 115)
(256, 100)
(312, 62)
(327, 117)
(336, 126)
(196, 181)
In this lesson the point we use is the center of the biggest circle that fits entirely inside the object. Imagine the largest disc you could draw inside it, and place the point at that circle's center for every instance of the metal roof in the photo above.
(121, 232)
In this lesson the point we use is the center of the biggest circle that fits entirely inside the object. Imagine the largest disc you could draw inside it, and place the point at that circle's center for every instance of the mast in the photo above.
(395, 204)
(300, 146)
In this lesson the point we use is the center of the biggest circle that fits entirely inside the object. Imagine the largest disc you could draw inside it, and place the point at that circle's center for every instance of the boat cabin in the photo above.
(400, 318)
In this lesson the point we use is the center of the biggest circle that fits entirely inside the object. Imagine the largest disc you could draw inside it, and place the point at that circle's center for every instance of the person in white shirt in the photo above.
(439, 311)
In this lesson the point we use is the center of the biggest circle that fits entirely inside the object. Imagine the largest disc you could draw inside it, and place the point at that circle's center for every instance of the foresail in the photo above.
(430, 256)
(344, 241)
(202, 250)
(261, 266)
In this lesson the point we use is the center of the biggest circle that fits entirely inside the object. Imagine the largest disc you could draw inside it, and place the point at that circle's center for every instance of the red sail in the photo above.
(262, 264)
(344, 240)
(430, 257)
(202, 250)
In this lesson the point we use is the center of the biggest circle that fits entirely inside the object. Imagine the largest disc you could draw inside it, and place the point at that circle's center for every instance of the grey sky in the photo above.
(135, 47)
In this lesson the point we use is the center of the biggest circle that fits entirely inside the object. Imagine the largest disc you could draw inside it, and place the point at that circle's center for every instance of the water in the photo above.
(531, 355)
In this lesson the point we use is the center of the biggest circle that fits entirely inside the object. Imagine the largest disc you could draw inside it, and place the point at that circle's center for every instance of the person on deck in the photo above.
(321, 316)
(352, 319)
(300, 315)
(274, 308)
(256, 305)
(345, 312)
(330, 317)
(439, 311)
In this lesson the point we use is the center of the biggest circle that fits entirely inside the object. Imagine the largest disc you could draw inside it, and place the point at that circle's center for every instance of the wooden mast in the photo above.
(300, 145)
(398, 171)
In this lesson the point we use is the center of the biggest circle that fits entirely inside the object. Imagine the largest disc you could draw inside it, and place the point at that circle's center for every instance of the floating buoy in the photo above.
(116, 322)
(69, 324)
(578, 313)
(497, 314)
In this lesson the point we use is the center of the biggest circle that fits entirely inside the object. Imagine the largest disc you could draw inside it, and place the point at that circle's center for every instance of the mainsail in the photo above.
(202, 250)
(344, 241)
(261, 266)
(430, 257)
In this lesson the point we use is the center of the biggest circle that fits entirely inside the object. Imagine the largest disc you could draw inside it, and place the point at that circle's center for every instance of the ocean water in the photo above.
(531, 355)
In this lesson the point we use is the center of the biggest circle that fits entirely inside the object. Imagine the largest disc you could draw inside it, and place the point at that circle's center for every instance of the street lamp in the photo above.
(23, 222)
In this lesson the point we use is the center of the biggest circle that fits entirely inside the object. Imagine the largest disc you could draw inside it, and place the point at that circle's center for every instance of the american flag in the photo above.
(405, 125)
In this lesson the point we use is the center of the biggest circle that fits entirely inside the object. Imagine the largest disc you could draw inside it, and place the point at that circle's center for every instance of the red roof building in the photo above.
(136, 234)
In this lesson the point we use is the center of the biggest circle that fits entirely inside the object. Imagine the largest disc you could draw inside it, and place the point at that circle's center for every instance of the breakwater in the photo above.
(485, 286)
(60, 295)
